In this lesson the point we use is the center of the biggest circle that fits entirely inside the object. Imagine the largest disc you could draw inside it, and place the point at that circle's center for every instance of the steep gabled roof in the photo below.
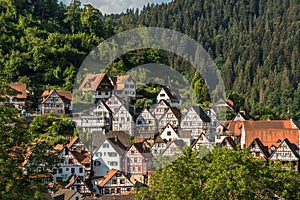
(146, 153)
(228, 141)
(201, 113)
(171, 94)
(291, 146)
(117, 145)
(93, 81)
(263, 149)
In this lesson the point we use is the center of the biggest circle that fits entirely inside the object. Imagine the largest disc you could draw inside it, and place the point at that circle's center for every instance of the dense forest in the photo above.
(255, 44)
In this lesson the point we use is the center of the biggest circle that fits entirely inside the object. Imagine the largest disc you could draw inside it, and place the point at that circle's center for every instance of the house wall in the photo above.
(169, 133)
(192, 122)
(123, 121)
(68, 167)
(168, 118)
(116, 185)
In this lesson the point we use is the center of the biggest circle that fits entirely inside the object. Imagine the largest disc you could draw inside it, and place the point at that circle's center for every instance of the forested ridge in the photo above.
(254, 43)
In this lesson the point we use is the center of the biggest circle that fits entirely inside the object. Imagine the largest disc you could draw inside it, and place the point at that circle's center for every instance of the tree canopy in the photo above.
(222, 174)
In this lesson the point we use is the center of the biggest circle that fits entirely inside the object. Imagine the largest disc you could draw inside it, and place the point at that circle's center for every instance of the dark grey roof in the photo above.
(201, 113)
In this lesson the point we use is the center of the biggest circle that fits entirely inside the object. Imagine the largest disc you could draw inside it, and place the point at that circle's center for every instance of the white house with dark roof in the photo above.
(288, 154)
(98, 119)
(123, 121)
(196, 122)
(146, 125)
(73, 162)
(56, 103)
(258, 150)
(169, 133)
(174, 148)
(108, 156)
(202, 141)
(159, 109)
(171, 116)
(168, 95)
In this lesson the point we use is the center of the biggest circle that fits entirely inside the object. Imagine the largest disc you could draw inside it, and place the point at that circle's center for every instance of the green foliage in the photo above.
(222, 174)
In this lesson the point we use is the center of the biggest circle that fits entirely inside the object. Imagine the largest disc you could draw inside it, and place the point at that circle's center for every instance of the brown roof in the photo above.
(270, 131)
(119, 81)
(228, 140)
(271, 137)
(20, 88)
(93, 81)
(122, 136)
(107, 177)
(71, 142)
(66, 94)
(82, 157)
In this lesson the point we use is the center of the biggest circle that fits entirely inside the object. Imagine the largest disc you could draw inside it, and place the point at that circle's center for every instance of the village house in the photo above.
(137, 162)
(123, 121)
(229, 143)
(75, 159)
(145, 124)
(114, 103)
(124, 87)
(78, 184)
(17, 95)
(108, 156)
(65, 194)
(98, 84)
(258, 150)
(202, 141)
(113, 183)
(288, 154)
(197, 122)
(98, 119)
(171, 116)
(56, 103)
(169, 133)
(174, 148)
(159, 109)
(158, 146)
(168, 95)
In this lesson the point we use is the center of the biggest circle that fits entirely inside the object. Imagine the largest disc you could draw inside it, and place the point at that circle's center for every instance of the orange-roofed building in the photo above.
(269, 132)
(113, 183)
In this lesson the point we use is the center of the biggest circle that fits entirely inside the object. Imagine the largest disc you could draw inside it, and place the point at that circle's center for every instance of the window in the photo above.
(118, 190)
(132, 152)
(54, 171)
(106, 191)
(131, 86)
(139, 122)
(80, 170)
(70, 161)
(105, 145)
(169, 133)
(162, 95)
(112, 154)
(72, 170)
(257, 154)
(67, 169)
(60, 170)
(135, 160)
(114, 181)
(122, 181)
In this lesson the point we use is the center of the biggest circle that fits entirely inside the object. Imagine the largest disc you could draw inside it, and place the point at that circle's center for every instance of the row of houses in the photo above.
(116, 166)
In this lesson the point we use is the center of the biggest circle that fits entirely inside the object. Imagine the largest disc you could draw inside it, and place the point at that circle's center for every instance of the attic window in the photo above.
(169, 133)
(87, 85)
(162, 95)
